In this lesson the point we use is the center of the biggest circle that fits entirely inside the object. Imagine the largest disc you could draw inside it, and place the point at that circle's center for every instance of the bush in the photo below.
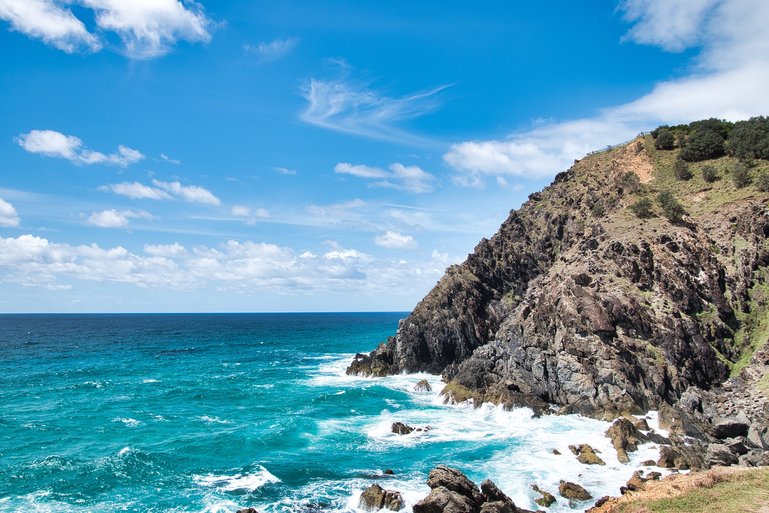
(762, 181)
(630, 182)
(703, 144)
(672, 209)
(681, 170)
(665, 140)
(709, 173)
(598, 209)
(740, 175)
(721, 127)
(643, 208)
(750, 139)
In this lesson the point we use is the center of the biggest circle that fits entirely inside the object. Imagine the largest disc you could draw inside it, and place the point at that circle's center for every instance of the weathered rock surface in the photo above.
(423, 386)
(625, 438)
(547, 498)
(573, 491)
(247, 510)
(586, 455)
(375, 498)
(399, 428)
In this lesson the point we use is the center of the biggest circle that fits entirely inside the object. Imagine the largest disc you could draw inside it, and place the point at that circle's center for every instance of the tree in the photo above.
(740, 175)
(721, 127)
(703, 144)
(630, 182)
(665, 140)
(672, 209)
(750, 139)
(643, 208)
(709, 173)
(762, 181)
(681, 170)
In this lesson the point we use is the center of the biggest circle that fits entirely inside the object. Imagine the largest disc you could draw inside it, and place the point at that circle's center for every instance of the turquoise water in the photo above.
(192, 413)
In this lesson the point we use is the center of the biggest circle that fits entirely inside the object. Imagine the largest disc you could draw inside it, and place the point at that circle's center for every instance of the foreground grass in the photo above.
(719, 490)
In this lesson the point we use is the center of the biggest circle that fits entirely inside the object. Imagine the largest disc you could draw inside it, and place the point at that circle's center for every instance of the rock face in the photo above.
(375, 498)
(625, 437)
(592, 308)
(452, 492)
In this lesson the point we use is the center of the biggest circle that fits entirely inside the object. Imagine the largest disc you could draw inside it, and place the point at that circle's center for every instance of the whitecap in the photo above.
(150, 380)
(213, 420)
(127, 421)
(235, 482)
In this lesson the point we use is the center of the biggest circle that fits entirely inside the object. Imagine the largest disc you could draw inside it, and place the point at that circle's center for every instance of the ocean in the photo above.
(212, 413)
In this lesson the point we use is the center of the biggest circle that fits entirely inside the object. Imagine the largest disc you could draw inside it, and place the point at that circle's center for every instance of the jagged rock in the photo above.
(624, 437)
(556, 452)
(423, 386)
(758, 436)
(454, 480)
(400, 428)
(547, 498)
(573, 491)
(375, 498)
(671, 458)
(649, 463)
(389, 472)
(637, 482)
(653, 476)
(443, 500)
(731, 427)
(586, 455)
(736, 445)
(755, 458)
(639, 424)
(720, 454)
(247, 510)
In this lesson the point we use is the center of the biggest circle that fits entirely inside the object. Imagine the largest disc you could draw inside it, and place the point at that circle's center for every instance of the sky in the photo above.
(228, 156)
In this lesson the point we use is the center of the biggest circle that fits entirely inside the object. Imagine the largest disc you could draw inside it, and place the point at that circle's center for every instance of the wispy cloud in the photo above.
(411, 179)
(160, 190)
(51, 143)
(359, 109)
(116, 218)
(250, 214)
(727, 80)
(168, 159)
(146, 29)
(284, 170)
(273, 50)
(8, 215)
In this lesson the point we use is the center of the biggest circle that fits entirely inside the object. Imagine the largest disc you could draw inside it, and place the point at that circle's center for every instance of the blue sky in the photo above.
(320, 156)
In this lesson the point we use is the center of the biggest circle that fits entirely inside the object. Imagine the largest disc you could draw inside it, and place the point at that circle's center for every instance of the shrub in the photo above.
(681, 170)
(762, 181)
(643, 208)
(709, 173)
(672, 209)
(598, 209)
(665, 140)
(721, 127)
(740, 175)
(750, 139)
(630, 182)
(703, 144)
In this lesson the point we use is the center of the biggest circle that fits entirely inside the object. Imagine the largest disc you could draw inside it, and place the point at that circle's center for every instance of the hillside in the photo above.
(603, 296)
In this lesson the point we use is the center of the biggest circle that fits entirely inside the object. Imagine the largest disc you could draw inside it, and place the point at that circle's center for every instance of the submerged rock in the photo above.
(423, 386)
(400, 428)
(547, 498)
(247, 510)
(375, 498)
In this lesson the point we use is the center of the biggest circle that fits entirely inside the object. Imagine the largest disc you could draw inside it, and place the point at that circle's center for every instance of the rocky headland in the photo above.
(638, 280)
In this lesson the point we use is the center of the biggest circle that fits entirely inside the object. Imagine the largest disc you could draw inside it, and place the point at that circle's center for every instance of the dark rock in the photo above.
(443, 500)
(573, 491)
(657, 438)
(401, 429)
(637, 482)
(603, 500)
(671, 458)
(736, 445)
(586, 455)
(758, 436)
(639, 424)
(454, 480)
(389, 472)
(653, 476)
(547, 498)
(649, 463)
(556, 452)
(423, 386)
(247, 510)
(731, 427)
(375, 498)
(720, 454)
(498, 507)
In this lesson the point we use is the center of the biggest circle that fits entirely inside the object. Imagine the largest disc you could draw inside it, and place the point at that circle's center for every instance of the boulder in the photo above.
(455, 481)
(624, 437)
(639, 424)
(671, 458)
(730, 427)
(423, 386)
(720, 454)
(247, 510)
(637, 482)
(586, 455)
(547, 498)
(443, 500)
(573, 491)
(375, 498)
(400, 428)
(737, 445)
(498, 507)
(758, 436)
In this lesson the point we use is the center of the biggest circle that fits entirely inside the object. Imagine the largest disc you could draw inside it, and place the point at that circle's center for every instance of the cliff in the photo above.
(585, 299)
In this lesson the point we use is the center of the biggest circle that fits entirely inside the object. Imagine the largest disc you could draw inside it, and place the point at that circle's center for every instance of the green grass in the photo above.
(744, 492)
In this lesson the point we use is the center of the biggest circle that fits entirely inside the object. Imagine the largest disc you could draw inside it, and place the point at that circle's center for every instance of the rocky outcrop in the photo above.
(423, 386)
(625, 437)
(546, 500)
(399, 428)
(452, 492)
(586, 454)
(375, 498)
(573, 491)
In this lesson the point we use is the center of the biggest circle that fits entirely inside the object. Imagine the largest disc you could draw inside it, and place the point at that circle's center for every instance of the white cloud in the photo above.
(168, 159)
(136, 190)
(116, 218)
(358, 109)
(252, 215)
(727, 80)
(51, 143)
(165, 250)
(49, 21)
(395, 240)
(8, 215)
(147, 28)
(272, 51)
(284, 170)
(191, 193)
(407, 178)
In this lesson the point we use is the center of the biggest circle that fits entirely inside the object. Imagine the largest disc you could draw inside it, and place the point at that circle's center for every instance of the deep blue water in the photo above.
(194, 413)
